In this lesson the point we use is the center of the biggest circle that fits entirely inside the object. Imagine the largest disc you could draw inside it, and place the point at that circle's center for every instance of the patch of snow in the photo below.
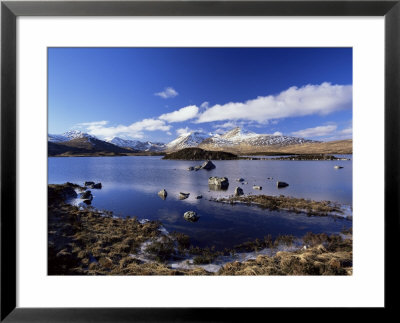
(69, 135)
(136, 144)
(187, 140)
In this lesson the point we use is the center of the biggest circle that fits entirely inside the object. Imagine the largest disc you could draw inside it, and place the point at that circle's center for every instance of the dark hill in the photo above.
(86, 147)
(199, 154)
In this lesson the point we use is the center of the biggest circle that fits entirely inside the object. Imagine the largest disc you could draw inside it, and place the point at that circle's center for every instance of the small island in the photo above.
(200, 154)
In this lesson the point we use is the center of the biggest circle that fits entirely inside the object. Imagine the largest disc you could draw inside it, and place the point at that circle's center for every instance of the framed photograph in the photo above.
(197, 157)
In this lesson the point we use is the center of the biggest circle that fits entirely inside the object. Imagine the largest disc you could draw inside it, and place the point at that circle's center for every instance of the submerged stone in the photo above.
(191, 216)
(163, 194)
(238, 191)
(208, 165)
(183, 196)
(219, 182)
(87, 195)
(281, 184)
(96, 186)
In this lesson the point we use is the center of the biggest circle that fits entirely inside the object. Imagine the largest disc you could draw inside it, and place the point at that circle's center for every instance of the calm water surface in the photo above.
(130, 186)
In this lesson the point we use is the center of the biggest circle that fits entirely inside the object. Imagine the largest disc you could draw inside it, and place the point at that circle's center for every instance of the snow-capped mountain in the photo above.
(69, 135)
(136, 144)
(245, 140)
(191, 139)
(236, 140)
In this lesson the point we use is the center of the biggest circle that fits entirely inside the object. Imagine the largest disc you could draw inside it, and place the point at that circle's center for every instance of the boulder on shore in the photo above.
(208, 165)
(238, 191)
(191, 216)
(163, 194)
(93, 185)
(96, 186)
(183, 196)
(219, 182)
(87, 195)
(281, 184)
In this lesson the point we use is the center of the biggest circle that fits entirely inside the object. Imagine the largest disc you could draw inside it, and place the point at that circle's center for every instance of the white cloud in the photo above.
(347, 131)
(92, 124)
(182, 131)
(168, 92)
(134, 130)
(319, 131)
(180, 115)
(277, 133)
(186, 130)
(226, 125)
(204, 105)
(294, 102)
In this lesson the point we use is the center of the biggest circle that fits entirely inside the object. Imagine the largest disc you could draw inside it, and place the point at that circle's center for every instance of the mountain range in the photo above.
(236, 140)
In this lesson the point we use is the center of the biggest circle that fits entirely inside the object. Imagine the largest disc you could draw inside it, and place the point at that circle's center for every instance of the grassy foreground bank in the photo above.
(86, 241)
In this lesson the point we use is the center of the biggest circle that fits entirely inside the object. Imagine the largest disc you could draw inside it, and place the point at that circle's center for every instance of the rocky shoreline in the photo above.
(298, 157)
(290, 204)
(86, 241)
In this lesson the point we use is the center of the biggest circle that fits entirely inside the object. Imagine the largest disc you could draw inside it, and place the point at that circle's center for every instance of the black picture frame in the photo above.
(10, 10)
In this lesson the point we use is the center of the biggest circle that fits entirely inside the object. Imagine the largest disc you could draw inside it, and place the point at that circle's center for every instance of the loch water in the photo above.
(130, 185)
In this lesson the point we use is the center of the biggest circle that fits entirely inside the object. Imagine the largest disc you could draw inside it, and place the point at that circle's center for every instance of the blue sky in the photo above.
(158, 93)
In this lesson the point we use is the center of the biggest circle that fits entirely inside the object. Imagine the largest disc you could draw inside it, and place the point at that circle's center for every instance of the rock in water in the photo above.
(219, 182)
(198, 167)
(240, 179)
(208, 165)
(337, 167)
(183, 196)
(87, 195)
(199, 197)
(238, 191)
(256, 187)
(191, 216)
(89, 183)
(163, 194)
(97, 186)
(190, 168)
(281, 184)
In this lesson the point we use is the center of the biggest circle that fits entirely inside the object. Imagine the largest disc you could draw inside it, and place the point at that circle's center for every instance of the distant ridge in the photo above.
(138, 145)
(85, 146)
(236, 141)
(240, 141)
(187, 140)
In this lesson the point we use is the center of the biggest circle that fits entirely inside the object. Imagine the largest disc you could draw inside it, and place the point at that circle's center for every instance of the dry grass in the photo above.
(330, 147)
(90, 242)
(292, 204)
(333, 256)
